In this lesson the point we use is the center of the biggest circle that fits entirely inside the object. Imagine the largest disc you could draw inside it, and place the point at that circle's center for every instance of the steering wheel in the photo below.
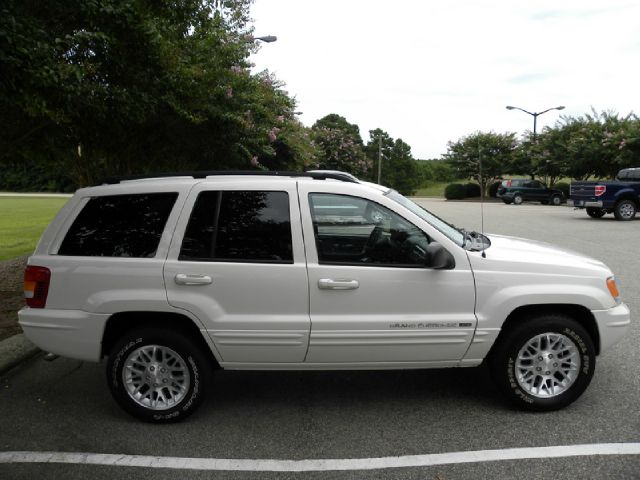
(373, 240)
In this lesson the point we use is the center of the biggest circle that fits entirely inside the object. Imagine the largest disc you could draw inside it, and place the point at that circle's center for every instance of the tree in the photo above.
(399, 169)
(125, 86)
(594, 145)
(339, 146)
(380, 145)
(495, 150)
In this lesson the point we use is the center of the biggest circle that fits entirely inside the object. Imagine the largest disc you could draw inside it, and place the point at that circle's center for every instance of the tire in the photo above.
(158, 349)
(594, 212)
(625, 210)
(517, 199)
(556, 200)
(506, 201)
(523, 377)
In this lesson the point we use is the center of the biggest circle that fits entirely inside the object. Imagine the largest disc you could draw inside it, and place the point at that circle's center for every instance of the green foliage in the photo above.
(109, 87)
(494, 149)
(435, 171)
(455, 191)
(399, 169)
(595, 145)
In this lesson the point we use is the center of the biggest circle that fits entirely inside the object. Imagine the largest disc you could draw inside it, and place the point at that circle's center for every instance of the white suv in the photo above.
(171, 277)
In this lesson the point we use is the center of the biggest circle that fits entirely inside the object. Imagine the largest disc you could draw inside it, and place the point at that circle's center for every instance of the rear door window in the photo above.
(119, 226)
(239, 226)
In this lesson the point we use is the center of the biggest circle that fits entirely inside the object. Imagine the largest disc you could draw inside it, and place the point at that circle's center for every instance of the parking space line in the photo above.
(321, 465)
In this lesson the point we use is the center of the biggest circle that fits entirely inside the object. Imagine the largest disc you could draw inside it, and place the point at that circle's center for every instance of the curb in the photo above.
(15, 350)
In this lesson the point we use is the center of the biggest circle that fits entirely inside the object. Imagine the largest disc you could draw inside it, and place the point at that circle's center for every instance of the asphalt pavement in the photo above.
(65, 406)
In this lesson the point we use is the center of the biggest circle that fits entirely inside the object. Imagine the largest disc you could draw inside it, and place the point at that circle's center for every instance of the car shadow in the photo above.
(340, 389)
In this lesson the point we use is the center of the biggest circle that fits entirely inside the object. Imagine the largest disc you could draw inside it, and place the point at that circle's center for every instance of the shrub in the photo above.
(454, 191)
(493, 189)
(472, 190)
(563, 187)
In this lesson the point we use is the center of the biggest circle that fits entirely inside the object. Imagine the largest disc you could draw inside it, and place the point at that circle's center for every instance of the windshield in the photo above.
(443, 227)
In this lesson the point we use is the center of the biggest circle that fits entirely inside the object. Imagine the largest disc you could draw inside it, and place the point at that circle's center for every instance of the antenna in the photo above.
(484, 255)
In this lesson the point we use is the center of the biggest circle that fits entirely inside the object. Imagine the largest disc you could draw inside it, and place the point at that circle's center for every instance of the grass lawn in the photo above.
(22, 221)
(435, 189)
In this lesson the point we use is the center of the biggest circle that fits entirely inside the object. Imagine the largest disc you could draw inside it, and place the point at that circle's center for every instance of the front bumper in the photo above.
(68, 333)
(612, 323)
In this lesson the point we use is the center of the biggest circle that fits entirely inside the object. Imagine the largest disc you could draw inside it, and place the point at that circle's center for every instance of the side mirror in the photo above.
(438, 258)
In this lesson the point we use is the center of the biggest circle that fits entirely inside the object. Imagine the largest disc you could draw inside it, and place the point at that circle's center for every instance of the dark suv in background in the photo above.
(519, 190)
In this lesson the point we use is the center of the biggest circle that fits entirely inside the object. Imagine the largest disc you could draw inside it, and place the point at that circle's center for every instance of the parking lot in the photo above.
(358, 418)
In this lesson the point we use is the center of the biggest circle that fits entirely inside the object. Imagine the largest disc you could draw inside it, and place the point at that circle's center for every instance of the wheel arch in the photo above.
(579, 313)
(628, 195)
(121, 322)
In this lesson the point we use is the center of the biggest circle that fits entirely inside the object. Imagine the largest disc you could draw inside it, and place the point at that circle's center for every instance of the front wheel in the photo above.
(595, 212)
(625, 210)
(556, 200)
(544, 363)
(157, 375)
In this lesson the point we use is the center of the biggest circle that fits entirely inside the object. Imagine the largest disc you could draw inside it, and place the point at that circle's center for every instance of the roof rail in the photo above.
(319, 175)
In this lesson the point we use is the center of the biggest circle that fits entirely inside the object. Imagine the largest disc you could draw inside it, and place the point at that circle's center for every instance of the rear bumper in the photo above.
(69, 333)
(585, 203)
(613, 324)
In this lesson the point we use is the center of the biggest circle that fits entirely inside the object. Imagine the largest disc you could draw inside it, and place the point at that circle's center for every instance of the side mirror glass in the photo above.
(438, 258)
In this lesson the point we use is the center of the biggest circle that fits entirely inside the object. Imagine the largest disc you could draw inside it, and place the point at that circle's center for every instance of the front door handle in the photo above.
(188, 279)
(339, 284)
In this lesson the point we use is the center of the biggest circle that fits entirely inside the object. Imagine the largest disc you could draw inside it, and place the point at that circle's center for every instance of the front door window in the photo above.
(356, 231)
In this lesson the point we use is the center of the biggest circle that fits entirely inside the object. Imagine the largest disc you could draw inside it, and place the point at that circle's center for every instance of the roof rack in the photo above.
(318, 175)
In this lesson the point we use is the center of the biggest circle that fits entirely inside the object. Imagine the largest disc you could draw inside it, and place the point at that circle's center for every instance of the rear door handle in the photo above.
(339, 284)
(188, 279)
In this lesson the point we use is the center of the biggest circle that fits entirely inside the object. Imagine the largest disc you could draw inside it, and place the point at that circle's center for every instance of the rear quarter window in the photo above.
(119, 226)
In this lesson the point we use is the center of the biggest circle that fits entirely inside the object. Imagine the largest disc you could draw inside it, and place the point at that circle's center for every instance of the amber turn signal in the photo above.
(613, 288)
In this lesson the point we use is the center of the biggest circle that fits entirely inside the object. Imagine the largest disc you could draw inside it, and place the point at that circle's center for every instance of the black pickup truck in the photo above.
(620, 197)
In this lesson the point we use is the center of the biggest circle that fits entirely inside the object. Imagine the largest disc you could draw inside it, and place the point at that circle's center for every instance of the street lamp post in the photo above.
(535, 116)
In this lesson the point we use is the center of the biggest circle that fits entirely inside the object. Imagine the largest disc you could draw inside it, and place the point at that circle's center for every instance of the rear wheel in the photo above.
(544, 362)
(517, 199)
(625, 210)
(157, 375)
(595, 212)
(556, 200)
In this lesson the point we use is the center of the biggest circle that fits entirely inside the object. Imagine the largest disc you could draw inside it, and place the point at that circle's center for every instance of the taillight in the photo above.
(36, 285)
(508, 183)
(600, 189)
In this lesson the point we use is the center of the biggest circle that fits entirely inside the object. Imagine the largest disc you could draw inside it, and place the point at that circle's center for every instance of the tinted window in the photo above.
(241, 226)
(356, 231)
(630, 174)
(119, 226)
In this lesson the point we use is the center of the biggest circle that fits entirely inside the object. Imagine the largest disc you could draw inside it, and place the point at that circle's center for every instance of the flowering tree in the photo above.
(594, 145)
(112, 87)
(339, 146)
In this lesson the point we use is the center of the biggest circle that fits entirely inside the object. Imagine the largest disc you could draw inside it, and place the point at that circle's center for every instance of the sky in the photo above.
(431, 72)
